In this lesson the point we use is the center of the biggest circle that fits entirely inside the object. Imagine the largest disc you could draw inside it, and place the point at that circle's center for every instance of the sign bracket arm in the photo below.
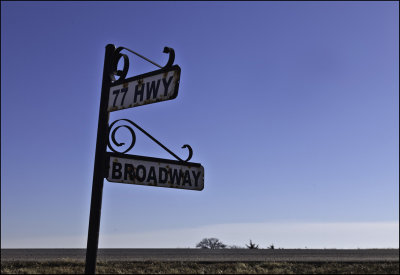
(147, 134)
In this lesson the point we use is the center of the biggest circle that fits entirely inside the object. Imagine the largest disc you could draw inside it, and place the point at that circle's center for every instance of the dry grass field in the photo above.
(156, 267)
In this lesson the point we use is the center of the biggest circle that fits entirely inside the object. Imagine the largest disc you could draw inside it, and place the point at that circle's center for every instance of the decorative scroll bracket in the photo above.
(114, 141)
(122, 73)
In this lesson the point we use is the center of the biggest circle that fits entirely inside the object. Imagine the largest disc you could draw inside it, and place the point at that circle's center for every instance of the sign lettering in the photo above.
(150, 171)
(144, 89)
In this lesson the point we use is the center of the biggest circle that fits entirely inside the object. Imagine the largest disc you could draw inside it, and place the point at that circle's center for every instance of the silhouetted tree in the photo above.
(271, 246)
(252, 245)
(211, 243)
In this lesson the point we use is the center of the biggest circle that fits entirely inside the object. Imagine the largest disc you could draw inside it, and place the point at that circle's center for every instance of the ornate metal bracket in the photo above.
(122, 73)
(118, 144)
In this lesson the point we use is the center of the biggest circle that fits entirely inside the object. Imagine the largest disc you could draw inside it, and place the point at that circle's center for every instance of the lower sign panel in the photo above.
(142, 170)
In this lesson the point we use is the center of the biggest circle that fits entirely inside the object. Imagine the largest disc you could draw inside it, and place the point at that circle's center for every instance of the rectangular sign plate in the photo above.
(150, 171)
(144, 89)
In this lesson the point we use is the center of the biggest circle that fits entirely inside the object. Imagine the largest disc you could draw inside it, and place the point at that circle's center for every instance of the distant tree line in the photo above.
(214, 243)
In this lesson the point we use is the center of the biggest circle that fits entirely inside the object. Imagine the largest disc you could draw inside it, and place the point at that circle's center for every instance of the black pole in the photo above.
(99, 167)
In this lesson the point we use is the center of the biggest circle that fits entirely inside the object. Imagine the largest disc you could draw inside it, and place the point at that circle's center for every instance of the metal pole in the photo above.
(99, 167)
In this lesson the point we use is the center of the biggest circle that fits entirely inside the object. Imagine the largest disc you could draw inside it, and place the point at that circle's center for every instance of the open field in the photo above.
(203, 261)
(206, 255)
(150, 267)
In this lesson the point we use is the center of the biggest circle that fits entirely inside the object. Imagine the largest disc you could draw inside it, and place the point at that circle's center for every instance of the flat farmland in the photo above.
(203, 261)
(207, 255)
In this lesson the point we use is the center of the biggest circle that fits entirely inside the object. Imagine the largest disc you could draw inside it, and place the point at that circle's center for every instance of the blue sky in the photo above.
(291, 107)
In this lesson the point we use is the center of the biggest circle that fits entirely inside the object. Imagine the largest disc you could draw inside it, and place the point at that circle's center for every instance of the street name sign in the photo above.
(152, 87)
(133, 169)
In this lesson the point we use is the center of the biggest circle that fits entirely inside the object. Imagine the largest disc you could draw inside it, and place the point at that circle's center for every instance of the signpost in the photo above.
(98, 173)
(152, 87)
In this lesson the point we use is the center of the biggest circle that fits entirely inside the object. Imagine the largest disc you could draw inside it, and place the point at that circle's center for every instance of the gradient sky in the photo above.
(291, 107)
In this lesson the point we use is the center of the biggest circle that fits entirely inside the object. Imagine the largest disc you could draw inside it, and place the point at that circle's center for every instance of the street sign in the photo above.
(151, 171)
(144, 89)
(121, 94)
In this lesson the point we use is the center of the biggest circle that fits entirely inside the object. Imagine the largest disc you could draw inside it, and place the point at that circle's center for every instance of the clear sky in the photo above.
(291, 107)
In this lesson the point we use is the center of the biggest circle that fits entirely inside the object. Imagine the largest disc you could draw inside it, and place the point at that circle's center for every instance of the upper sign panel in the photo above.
(145, 89)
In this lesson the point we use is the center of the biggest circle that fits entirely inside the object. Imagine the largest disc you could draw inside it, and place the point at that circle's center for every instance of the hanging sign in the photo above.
(151, 171)
(144, 89)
